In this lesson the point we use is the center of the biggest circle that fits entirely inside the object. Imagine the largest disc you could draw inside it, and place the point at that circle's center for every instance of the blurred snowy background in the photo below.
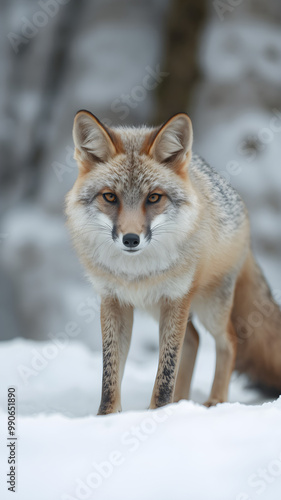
(128, 62)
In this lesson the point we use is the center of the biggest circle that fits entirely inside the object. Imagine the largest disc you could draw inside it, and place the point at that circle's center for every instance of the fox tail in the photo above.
(257, 320)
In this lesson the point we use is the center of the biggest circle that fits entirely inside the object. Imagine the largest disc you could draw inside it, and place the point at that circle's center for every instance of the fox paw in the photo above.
(213, 402)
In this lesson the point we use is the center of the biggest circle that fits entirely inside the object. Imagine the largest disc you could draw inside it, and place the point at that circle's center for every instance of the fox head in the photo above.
(132, 207)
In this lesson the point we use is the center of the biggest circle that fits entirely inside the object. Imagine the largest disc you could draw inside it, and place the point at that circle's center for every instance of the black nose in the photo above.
(131, 240)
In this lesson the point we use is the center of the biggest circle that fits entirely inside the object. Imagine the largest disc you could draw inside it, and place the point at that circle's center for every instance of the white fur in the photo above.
(156, 256)
(171, 143)
(89, 137)
(141, 295)
(96, 143)
(175, 137)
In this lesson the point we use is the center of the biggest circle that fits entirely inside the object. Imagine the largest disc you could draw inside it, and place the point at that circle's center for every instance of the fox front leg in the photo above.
(173, 321)
(116, 325)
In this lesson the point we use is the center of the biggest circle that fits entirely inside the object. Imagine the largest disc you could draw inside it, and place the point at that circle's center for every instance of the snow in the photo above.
(181, 451)
(241, 53)
(65, 452)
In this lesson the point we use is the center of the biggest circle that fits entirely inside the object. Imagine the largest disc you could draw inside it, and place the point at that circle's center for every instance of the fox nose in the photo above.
(131, 240)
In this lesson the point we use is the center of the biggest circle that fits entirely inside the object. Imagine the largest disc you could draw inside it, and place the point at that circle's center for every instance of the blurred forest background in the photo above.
(129, 62)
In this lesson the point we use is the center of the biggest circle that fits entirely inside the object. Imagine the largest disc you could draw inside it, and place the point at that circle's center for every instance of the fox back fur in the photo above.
(157, 228)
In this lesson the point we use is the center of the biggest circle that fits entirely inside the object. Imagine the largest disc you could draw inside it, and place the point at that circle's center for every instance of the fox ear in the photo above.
(173, 140)
(91, 138)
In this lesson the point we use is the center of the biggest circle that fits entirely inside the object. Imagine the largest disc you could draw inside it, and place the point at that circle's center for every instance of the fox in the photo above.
(158, 229)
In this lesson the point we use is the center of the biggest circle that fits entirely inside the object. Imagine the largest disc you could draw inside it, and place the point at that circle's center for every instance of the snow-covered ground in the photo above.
(182, 451)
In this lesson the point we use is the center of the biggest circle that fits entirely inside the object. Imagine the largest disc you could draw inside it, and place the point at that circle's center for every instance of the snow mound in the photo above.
(184, 450)
(181, 451)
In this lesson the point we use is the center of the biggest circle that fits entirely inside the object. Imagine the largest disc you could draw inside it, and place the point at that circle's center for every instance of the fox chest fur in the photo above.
(145, 292)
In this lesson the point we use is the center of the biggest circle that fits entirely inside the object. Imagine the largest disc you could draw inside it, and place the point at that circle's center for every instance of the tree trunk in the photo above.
(183, 28)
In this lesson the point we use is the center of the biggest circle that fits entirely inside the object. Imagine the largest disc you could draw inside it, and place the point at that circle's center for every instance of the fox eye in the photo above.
(110, 197)
(154, 198)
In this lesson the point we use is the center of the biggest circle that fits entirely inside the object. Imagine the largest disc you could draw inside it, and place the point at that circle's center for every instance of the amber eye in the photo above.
(110, 197)
(154, 198)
